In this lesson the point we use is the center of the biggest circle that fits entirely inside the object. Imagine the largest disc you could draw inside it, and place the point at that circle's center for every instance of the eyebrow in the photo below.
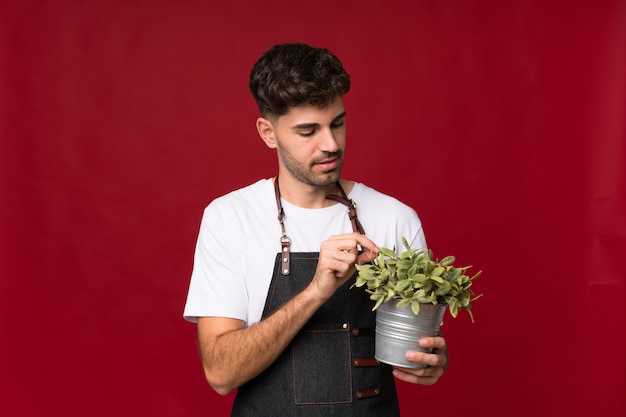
(311, 125)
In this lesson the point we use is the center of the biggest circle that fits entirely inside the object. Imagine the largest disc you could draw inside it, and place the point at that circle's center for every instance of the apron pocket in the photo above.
(322, 364)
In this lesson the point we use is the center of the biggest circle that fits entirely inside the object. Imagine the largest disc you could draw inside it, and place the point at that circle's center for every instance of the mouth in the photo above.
(328, 164)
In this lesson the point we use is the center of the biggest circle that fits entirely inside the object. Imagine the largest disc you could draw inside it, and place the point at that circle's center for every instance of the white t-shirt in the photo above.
(240, 234)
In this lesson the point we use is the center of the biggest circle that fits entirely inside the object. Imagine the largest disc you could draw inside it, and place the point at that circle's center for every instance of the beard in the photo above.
(307, 173)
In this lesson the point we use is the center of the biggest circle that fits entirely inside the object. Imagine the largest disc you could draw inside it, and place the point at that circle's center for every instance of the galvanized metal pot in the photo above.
(399, 330)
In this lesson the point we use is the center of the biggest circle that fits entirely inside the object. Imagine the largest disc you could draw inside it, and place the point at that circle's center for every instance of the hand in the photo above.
(338, 255)
(437, 362)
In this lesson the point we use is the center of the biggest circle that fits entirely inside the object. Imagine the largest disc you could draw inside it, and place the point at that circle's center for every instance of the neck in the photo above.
(310, 196)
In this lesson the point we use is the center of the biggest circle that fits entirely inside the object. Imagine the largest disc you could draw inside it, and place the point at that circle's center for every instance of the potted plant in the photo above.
(411, 293)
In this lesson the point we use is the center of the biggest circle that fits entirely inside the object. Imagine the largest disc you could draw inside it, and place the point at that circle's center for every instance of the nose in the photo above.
(328, 142)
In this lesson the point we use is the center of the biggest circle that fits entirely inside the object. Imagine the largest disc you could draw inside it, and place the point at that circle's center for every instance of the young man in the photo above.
(274, 261)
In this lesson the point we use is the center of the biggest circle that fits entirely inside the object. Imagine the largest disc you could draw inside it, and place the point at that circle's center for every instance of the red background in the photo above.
(500, 122)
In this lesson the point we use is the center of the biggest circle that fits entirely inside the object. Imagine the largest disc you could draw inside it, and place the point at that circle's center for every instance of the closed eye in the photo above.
(309, 133)
(338, 124)
(339, 121)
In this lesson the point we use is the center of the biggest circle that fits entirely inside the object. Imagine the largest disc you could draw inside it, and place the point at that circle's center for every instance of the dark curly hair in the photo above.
(292, 74)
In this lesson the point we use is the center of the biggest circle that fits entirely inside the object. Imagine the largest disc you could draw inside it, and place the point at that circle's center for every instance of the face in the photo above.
(311, 143)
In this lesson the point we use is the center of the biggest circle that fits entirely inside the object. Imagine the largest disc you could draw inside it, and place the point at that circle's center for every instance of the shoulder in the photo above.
(386, 219)
(372, 200)
(240, 212)
(248, 197)
(234, 220)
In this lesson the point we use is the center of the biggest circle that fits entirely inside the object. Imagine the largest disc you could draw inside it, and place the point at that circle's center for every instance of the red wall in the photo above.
(501, 122)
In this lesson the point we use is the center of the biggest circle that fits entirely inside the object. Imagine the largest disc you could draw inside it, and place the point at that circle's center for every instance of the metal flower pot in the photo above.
(399, 330)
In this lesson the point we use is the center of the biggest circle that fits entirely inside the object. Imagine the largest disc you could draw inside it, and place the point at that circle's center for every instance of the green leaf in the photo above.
(438, 271)
(403, 285)
(415, 308)
(384, 275)
(429, 267)
(465, 301)
(444, 288)
(447, 261)
(453, 274)
(403, 303)
(388, 252)
(418, 278)
(378, 303)
(479, 273)
(360, 282)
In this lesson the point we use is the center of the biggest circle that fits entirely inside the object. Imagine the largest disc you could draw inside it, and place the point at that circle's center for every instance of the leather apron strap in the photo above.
(285, 241)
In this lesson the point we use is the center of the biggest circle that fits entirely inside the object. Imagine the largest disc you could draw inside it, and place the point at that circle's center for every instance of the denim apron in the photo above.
(329, 368)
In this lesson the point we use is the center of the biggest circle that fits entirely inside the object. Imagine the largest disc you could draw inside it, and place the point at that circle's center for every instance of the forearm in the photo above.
(234, 356)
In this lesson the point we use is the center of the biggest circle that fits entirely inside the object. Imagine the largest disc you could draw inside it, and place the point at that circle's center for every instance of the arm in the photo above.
(233, 354)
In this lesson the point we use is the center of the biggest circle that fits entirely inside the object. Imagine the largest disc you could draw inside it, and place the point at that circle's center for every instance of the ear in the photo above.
(266, 131)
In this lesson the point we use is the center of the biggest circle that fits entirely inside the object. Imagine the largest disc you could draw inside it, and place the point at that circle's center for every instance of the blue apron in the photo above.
(329, 368)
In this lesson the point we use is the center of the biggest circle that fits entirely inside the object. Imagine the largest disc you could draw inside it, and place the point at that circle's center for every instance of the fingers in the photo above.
(438, 357)
(344, 249)
(428, 359)
(338, 255)
(425, 376)
(433, 342)
(351, 242)
(338, 261)
(436, 362)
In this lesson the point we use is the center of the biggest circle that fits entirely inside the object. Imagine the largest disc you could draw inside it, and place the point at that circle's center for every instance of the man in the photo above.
(274, 261)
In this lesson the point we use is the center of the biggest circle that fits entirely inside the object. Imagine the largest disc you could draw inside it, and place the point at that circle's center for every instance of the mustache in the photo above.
(326, 156)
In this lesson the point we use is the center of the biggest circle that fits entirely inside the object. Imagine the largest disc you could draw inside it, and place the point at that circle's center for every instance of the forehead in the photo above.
(308, 113)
